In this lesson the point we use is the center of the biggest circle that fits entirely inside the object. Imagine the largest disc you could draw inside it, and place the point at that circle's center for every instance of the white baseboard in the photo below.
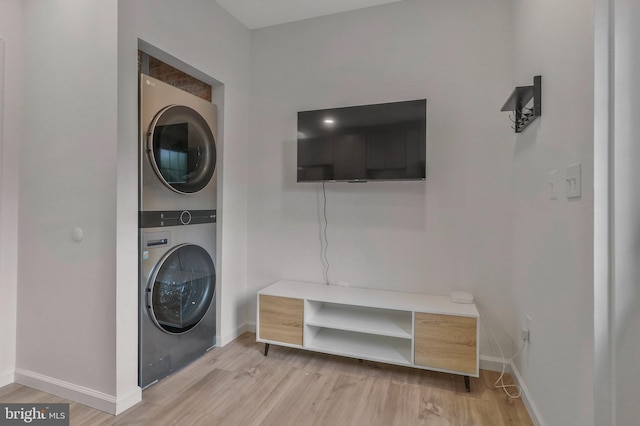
(526, 397)
(81, 394)
(492, 363)
(7, 378)
(243, 328)
(495, 364)
(128, 401)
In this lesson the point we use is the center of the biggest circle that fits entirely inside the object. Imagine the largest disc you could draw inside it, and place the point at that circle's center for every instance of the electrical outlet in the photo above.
(527, 327)
(524, 332)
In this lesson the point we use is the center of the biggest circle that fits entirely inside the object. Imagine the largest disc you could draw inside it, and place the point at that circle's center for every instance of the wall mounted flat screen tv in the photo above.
(363, 143)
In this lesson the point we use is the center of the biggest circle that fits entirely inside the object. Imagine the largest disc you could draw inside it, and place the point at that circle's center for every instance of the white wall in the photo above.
(66, 292)
(204, 36)
(10, 129)
(553, 239)
(451, 231)
(626, 175)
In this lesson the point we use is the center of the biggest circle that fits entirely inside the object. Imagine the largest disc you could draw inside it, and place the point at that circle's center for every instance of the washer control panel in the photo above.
(151, 240)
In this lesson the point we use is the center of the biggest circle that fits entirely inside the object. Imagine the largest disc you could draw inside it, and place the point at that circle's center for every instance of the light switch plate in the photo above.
(573, 180)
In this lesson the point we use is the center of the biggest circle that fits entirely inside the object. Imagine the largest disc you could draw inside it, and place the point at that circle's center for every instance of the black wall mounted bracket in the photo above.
(526, 104)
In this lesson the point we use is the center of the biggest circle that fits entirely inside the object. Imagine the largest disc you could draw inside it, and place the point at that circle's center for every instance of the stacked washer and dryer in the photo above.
(177, 221)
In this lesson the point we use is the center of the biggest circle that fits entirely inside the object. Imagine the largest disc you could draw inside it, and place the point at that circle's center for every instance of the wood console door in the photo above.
(281, 319)
(446, 342)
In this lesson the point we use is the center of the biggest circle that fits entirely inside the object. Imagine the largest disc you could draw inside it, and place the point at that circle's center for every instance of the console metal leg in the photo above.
(266, 349)
(467, 384)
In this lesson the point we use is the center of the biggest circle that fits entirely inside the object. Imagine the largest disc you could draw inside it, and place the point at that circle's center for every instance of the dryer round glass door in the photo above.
(182, 149)
(181, 288)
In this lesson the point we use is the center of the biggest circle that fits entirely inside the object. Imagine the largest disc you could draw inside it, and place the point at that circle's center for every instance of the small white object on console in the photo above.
(461, 297)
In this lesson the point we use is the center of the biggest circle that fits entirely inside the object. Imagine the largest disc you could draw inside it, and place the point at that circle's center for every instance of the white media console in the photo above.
(410, 329)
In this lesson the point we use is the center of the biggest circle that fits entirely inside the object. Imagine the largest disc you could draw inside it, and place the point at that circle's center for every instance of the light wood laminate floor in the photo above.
(237, 385)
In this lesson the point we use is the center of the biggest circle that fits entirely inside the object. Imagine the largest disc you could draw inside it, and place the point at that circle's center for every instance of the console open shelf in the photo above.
(360, 345)
(410, 329)
(362, 319)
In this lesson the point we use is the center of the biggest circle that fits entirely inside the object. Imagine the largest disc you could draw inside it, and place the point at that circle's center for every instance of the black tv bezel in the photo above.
(336, 112)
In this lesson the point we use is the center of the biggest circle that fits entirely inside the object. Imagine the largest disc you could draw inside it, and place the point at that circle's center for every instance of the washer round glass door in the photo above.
(182, 149)
(181, 288)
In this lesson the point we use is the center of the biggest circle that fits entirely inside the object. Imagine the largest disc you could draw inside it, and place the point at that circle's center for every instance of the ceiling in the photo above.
(263, 13)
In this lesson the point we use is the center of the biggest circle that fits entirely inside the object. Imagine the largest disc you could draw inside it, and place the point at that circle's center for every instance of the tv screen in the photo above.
(363, 143)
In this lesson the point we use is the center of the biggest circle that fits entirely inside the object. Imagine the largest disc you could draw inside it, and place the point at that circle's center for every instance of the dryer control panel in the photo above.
(155, 219)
